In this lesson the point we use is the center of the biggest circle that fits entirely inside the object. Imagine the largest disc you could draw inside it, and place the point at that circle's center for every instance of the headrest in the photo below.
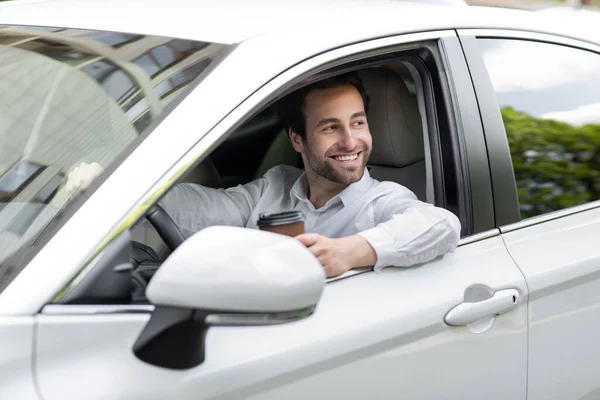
(394, 119)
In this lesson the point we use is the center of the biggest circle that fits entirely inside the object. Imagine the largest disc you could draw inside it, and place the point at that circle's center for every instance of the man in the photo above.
(352, 220)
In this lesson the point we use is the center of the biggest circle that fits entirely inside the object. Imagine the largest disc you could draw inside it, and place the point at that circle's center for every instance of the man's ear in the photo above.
(296, 141)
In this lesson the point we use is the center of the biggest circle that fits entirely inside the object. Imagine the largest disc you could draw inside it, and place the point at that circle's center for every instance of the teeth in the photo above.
(351, 157)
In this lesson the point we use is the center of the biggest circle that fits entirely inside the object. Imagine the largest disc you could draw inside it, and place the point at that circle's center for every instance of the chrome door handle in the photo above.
(466, 313)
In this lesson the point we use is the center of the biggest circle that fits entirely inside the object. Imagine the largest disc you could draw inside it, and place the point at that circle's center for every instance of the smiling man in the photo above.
(352, 220)
(336, 151)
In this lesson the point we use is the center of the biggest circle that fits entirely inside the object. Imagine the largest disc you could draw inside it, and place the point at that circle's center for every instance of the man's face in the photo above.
(338, 142)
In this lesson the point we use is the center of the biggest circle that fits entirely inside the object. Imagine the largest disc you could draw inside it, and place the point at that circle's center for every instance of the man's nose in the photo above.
(348, 141)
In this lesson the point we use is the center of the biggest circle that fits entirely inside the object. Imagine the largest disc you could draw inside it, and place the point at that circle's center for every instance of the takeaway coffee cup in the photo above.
(289, 223)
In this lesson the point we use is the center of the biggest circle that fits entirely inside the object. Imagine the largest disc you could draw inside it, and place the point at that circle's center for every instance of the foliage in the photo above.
(556, 165)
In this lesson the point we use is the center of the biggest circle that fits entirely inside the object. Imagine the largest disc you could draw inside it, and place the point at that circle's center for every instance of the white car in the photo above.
(105, 105)
(446, 2)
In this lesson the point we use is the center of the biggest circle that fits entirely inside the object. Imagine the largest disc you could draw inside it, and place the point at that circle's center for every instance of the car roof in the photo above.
(233, 21)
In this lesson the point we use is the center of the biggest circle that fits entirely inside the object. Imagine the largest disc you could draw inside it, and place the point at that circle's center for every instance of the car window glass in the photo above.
(549, 97)
(70, 98)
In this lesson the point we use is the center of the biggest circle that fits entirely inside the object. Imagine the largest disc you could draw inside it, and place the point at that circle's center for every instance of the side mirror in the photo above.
(225, 276)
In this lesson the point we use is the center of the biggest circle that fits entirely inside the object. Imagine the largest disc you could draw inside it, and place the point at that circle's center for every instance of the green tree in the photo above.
(557, 165)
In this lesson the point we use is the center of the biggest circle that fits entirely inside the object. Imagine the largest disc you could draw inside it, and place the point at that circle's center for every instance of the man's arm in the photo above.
(194, 207)
(411, 232)
(191, 206)
(407, 232)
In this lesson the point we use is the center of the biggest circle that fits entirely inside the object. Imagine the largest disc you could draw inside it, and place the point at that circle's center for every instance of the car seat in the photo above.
(398, 153)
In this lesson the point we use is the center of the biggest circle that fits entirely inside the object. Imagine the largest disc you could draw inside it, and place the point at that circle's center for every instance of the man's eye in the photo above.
(329, 128)
(358, 123)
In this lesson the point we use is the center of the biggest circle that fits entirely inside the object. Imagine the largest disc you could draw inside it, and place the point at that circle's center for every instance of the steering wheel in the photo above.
(165, 226)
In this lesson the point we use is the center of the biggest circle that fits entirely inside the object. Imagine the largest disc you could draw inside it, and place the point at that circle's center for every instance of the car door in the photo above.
(542, 94)
(69, 108)
(447, 329)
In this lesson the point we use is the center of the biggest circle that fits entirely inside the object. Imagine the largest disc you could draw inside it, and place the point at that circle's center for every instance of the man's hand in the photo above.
(339, 255)
(81, 176)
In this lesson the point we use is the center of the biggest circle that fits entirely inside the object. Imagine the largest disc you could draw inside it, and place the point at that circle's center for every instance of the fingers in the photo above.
(308, 239)
(324, 260)
(316, 251)
(331, 270)
(317, 245)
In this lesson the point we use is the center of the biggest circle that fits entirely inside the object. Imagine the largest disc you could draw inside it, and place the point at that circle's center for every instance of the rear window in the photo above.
(71, 101)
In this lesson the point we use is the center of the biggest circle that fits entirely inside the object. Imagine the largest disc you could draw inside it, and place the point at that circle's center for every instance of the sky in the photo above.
(545, 80)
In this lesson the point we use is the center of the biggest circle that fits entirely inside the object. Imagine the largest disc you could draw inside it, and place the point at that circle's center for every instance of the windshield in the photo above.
(71, 101)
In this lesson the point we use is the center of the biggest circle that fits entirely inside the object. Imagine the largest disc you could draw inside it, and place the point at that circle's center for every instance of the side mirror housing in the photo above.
(226, 276)
(238, 270)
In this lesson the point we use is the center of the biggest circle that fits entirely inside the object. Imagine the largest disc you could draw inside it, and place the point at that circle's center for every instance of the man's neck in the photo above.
(321, 190)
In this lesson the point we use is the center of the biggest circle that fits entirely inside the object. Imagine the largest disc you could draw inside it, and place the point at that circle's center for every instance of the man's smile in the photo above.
(347, 158)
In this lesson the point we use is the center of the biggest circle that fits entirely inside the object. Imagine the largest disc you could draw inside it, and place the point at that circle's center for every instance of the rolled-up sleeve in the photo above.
(410, 232)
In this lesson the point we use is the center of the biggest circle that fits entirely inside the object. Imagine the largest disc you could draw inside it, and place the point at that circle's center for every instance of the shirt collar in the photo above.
(298, 191)
(346, 196)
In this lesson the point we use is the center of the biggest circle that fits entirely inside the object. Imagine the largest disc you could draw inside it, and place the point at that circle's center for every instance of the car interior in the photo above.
(396, 123)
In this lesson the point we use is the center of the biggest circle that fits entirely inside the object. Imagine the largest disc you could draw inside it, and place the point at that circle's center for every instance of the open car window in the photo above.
(71, 101)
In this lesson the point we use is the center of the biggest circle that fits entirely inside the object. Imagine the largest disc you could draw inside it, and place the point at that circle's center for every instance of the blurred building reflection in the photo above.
(116, 61)
(69, 96)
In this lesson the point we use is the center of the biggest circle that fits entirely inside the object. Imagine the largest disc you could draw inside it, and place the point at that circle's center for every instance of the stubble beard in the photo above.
(327, 171)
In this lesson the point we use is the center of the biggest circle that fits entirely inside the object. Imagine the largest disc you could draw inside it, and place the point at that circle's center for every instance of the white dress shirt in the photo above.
(402, 229)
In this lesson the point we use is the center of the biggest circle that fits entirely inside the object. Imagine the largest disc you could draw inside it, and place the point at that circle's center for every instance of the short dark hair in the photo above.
(291, 107)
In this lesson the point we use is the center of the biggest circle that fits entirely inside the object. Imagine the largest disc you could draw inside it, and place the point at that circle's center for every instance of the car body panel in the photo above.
(17, 335)
(372, 335)
(232, 21)
(557, 252)
(561, 261)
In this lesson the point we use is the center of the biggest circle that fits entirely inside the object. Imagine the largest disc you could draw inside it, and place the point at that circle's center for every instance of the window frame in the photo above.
(506, 201)
(465, 147)
(461, 130)
(471, 145)
(441, 44)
